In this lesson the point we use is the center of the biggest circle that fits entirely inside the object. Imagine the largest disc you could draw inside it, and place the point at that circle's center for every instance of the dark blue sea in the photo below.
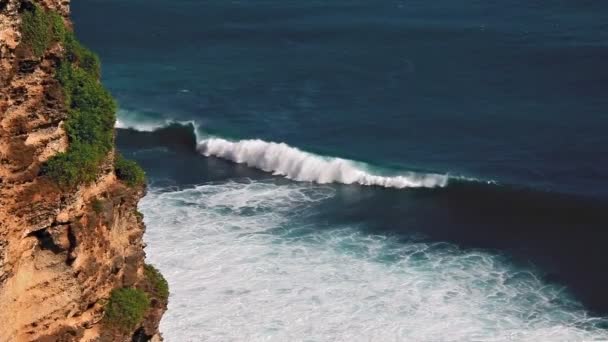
(364, 170)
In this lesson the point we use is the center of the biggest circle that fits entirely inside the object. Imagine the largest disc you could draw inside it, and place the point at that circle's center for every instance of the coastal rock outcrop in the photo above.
(65, 251)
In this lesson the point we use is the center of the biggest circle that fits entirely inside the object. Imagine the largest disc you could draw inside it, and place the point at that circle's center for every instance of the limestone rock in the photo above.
(59, 256)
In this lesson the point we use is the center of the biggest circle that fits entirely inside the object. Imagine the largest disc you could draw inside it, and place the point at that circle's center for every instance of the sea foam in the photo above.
(245, 263)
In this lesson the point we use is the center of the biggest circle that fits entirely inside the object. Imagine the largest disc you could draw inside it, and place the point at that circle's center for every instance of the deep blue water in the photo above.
(512, 92)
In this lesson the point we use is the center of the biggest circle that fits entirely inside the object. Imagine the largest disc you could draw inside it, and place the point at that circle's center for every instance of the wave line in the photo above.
(295, 164)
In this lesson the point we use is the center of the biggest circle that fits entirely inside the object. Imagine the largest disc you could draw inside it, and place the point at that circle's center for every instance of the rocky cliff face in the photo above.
(62, 251)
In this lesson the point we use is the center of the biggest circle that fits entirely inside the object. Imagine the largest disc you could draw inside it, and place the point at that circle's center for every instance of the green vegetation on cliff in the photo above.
(126, 308)
(158, 284)
(91, 108)
(90, 125)
(129, 171)
(41, 28)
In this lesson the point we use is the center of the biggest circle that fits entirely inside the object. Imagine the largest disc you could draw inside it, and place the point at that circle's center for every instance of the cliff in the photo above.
(71, 252)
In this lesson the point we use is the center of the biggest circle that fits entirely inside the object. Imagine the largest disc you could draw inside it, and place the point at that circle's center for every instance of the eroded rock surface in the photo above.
(61, 251)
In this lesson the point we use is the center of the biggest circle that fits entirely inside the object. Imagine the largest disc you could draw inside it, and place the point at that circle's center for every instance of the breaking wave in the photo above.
(129, 119)
(284, 160)
(290, 162)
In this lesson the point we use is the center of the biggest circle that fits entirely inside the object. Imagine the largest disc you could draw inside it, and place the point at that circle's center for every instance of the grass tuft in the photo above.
(159, 285)
(129, 171)
(126, 309)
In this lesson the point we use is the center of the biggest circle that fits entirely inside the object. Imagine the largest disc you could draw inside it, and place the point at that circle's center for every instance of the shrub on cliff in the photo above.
(41, 28)
(91, 117)
(129, 171)
(76, 53)
(91, 108)
(79, 165)
(90, 127)
(158, 285)
(78, 81)
(126, 308)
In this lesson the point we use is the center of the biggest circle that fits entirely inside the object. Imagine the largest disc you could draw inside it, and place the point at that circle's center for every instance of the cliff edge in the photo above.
(71, 251)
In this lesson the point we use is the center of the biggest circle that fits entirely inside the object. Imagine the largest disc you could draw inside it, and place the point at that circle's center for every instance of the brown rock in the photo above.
(59, 258)
(63, 217)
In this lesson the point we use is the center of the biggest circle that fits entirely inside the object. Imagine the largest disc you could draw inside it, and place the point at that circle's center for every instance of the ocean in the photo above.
(363, 170)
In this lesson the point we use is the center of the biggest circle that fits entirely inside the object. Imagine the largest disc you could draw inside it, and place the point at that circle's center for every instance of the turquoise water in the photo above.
(367, 170)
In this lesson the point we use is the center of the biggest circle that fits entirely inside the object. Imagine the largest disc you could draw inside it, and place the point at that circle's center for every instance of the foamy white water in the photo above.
(142, 127)
(282, 159)
(133, 120)
(128, 119)
(239, 271)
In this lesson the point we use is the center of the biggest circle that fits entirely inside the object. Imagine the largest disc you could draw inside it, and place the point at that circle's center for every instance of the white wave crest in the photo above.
(282, 159)
(138, 126)
(129, 119)
(151, 126)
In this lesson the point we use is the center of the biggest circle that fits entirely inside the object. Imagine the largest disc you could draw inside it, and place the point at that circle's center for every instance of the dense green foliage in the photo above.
(40, 29)
(85, 58)
(159, 285)
(90, 123)
(129, 171)
(90, 127)
(91, 108)
(126, 308)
